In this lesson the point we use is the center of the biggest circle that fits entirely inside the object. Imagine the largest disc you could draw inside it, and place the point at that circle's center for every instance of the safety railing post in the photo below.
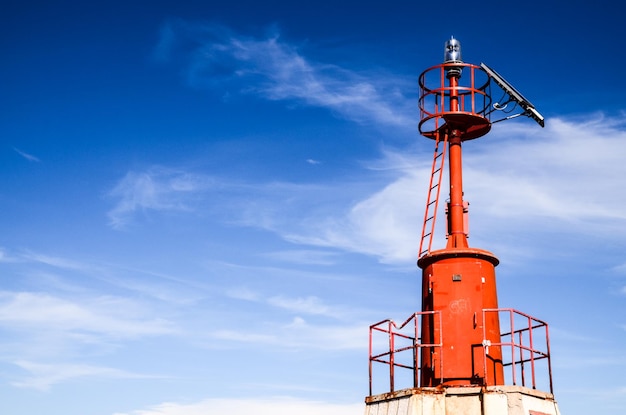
(521, 357)
(403, 339)
(549, 358)
(513, 369)
(370, 359)
(416, 342)
(524, 350)
(391, 359)
(532, 353)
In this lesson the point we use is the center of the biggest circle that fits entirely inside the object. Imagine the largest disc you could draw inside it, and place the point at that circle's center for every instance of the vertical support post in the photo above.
(521, 358)
(532, 351)
(370, 360)
(416, 352)
(549, 358)
(392, 364)
(457, 237)
(513, 365)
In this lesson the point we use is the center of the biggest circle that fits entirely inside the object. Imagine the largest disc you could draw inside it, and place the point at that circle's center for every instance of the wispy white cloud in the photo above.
(305, 214)
(276, 70)
(27, 156)
(308, 305)
(43, 376)
(41, 327)
(565, 175)
(157, 189)
(553, 178)
(268, 405)
(577, 337)
(56, 261)
(619, 269)
(243, 293)
(304, 256)
(568, 171)
(297, 334)
(106, 317)
(57, 272)
(6, 257)
(376, 225)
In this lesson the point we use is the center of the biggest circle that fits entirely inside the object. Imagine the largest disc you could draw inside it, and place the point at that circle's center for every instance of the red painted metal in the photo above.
(434, 190)
(400, 347)
(451, 113)
(470, 94)
(459, 294)
(458, 281)
(524, 337)
(402, 340)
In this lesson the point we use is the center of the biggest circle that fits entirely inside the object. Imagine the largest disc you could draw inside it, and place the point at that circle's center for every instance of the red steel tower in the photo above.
(458, 280)
(464, 354)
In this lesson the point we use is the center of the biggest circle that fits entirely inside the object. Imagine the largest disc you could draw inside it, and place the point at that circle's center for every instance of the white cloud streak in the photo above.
(276, 70)
(157, 189)
(376, 225)
(262, 406)
(40, 328)
(104, 316)
(304, 256)
(569, 174)
(57, 262)
(43, 376)
(27, 156)
(298, 334)
(315, 325)
(308, 305)
(566, 175)
(570, 171)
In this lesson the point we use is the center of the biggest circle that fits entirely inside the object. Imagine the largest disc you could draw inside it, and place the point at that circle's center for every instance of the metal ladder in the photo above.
(432, 203)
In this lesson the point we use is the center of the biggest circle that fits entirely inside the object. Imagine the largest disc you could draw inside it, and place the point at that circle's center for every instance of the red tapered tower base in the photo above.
(459, 284)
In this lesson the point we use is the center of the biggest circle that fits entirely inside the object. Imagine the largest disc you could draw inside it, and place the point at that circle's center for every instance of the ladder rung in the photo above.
(436, 174)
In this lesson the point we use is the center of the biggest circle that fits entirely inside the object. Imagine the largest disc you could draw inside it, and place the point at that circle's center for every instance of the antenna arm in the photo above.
(509, 117)
(530, 112)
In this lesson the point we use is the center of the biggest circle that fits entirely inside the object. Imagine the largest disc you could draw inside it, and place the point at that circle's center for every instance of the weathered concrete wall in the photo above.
(493, 400)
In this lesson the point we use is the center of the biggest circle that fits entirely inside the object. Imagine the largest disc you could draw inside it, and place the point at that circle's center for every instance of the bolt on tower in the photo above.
(461, 354)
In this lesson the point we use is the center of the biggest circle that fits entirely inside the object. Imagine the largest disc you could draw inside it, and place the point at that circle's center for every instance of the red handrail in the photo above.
(520, 332)
(388, 356)
(527, 352)
(472, 92)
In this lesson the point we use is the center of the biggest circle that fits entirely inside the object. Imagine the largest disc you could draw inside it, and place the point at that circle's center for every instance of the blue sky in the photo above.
(204, 206)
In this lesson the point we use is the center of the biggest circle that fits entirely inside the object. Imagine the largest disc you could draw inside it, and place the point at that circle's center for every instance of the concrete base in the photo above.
(491, 400)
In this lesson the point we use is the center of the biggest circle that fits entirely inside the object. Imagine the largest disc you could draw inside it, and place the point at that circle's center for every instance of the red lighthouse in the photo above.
(461, 354)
